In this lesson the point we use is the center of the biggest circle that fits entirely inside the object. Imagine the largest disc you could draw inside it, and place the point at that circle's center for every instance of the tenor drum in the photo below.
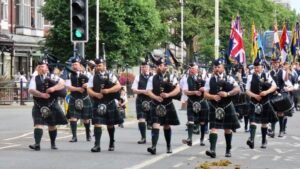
(282, 103)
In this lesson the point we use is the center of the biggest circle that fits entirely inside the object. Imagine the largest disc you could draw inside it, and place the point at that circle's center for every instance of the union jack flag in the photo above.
(237, 50)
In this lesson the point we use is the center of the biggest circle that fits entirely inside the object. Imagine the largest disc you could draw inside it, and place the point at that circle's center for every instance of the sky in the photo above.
(295, 4)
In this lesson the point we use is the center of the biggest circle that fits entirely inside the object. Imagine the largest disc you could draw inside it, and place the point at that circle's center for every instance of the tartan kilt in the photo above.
(85, 113)
(111, 117)
(266, 116)
(230, 120)
(201, 116)
(242, 110)
(57, 117)
(170, 118)
(140, 113)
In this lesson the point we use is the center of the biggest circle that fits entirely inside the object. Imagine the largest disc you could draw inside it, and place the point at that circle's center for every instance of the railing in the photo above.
(11, 91)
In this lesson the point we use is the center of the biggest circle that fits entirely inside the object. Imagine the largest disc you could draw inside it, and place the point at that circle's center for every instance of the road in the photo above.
(16, 135)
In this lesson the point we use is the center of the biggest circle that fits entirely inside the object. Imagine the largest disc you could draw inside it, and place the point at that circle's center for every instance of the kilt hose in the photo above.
(57, 116)
(229, 121)
(197, 117)
(85, 113)
(170, 118)
(112, 115)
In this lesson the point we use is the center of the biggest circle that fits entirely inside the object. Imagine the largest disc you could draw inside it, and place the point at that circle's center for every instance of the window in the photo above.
(4, 10)
(26, 14)
(32, 23)
(39, 17)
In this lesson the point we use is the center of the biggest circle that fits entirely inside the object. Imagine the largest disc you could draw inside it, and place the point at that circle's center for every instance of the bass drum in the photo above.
(282, 102)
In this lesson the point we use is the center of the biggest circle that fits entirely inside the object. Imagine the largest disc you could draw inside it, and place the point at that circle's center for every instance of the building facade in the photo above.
(22, 30)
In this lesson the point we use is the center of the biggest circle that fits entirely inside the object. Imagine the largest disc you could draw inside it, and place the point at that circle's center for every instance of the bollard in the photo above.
(21, 93)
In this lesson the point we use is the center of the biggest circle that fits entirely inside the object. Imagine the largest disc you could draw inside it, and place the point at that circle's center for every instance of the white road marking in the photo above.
(281, 151)
(202, 152)
(177, 165)
(17, 137)
(295, 138)
(5, 147)
(191, 158)
(160, 157)
(276, 158)
(255, 157)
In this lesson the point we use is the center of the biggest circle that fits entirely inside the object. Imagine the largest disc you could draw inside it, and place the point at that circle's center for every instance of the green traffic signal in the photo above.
(78, 33)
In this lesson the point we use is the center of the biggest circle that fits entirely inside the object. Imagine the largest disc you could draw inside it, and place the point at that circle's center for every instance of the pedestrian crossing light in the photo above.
(79, 20)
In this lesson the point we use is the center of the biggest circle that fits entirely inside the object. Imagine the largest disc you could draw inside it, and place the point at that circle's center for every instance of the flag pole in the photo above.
(217, 42)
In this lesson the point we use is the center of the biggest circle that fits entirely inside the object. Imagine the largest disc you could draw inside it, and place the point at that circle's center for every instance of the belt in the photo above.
(220, 106)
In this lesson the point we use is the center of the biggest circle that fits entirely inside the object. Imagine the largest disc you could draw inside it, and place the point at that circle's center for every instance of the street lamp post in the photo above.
(217, 42)
(181, 37)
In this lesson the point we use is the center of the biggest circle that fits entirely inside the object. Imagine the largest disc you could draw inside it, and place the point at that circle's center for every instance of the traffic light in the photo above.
(79, 20)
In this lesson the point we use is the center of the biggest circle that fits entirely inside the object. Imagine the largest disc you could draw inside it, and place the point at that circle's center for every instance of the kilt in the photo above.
(140, 113)
(112, 115)
(57, 115)
(266, 116)
(85, 113)
(201, 116)
(230, 120)
(170, 118)
(241, 104)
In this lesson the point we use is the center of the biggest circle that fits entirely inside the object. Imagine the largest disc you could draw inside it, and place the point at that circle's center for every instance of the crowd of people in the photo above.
(216, 99)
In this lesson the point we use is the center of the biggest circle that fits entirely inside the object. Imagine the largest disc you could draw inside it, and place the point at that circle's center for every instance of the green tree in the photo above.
(128, 28)
(199, 21)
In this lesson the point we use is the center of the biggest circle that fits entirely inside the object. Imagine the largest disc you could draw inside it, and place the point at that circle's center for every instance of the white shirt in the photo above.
(150, 82)
(230, 79)
(32, 83)
(112, 78)
(249, 79)
(136, 82)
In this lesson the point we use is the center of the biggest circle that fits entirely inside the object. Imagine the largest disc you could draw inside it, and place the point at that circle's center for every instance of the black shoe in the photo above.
(264, 145)
(280, 134)
(151, 150)
(169, 150)
(250, 143)
(73, 140)
(187, 142)
(111, 146)
(228, 153)
(53, 147)
(88, 138)
(271, 133)
(210, 153)
(96, 149)
(142, 141)
(35, 147)
(202, 143)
